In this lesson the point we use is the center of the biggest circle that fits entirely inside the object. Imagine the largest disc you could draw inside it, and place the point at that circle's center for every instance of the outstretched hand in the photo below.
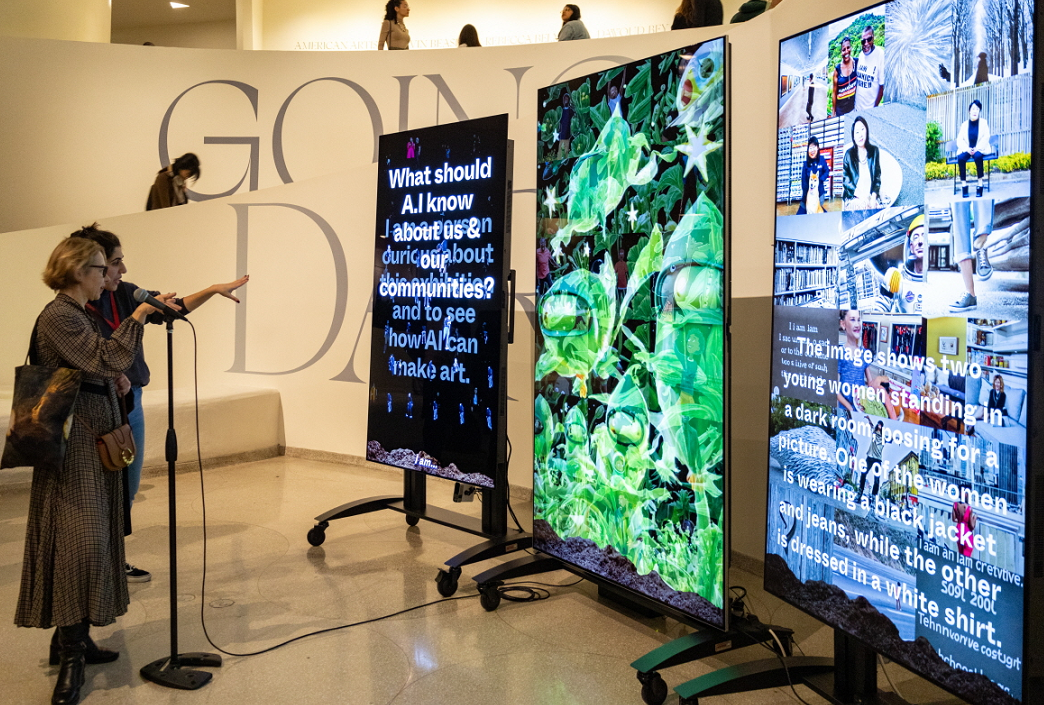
(227, 289)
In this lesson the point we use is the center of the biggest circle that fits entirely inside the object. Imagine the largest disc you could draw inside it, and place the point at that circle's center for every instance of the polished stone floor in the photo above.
(265, 585)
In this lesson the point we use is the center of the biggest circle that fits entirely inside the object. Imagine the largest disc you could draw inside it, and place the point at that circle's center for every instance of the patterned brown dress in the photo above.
(73, 568)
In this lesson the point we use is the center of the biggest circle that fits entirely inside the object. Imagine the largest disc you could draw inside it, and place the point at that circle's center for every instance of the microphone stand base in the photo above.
(173, 674)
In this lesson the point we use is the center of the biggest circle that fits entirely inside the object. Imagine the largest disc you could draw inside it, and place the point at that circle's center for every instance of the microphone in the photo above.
(144, 297)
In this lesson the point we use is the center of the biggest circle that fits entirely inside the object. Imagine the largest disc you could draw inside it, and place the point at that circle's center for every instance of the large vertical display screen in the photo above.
(898, 455)
(437, 350)
(631, 272)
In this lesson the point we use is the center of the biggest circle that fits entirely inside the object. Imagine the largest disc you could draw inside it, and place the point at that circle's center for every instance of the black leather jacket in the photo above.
(851, 171)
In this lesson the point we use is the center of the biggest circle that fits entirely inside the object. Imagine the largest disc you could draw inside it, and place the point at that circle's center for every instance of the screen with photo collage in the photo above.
(897, 460)
(632, 281)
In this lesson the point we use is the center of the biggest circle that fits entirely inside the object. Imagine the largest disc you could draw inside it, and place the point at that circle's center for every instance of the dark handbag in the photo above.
(41, 414)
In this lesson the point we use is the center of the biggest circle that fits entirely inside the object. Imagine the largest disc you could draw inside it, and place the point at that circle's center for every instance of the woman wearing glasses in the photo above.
(115, 304)
(72, 572)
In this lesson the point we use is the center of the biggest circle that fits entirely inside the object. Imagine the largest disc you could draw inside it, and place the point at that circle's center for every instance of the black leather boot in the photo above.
(71, 647)
(93, 654)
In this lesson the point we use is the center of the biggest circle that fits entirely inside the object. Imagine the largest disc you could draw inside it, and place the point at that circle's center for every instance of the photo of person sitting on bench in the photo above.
(973, 141)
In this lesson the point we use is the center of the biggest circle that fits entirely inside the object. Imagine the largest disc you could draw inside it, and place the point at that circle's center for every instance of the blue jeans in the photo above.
(136, 419)
(962, 227)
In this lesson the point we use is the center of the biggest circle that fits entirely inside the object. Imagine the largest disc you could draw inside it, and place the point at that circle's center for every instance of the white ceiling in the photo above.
(141, 13)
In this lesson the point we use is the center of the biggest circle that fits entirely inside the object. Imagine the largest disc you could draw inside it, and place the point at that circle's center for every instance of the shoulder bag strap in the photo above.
(32, 357)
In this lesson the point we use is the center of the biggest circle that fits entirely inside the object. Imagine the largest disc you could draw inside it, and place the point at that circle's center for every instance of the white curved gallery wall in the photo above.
(290, 138)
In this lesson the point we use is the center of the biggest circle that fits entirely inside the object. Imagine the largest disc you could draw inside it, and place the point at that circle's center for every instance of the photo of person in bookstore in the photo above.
(815, 175)
(808, 170)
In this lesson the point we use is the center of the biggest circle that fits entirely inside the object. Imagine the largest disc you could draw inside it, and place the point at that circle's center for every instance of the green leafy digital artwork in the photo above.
(629, 448)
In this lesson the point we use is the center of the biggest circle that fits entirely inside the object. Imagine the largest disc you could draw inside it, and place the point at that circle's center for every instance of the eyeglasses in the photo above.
(868, 40)
(103, 267)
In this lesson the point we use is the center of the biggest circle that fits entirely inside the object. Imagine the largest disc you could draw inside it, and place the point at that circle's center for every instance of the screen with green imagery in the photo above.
(630, 453)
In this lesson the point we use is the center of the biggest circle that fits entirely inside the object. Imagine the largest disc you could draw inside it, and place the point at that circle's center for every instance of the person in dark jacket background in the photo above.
(815, 166)
(862, 170)
(698, 13)
(171, 185)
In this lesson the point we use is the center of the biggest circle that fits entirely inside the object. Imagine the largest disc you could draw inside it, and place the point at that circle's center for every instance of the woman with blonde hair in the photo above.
(73, 567)
(698, 13)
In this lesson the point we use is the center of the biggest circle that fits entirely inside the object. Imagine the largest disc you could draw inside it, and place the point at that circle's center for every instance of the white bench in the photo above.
(236, 424)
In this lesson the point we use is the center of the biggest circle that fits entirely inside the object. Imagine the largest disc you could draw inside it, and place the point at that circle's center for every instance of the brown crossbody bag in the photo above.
(115, 448)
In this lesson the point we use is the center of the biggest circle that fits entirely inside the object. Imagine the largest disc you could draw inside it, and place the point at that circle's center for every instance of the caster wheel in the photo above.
(489, 596)
(317, 534)
(447, 581)
(654, 689)
(412, 520)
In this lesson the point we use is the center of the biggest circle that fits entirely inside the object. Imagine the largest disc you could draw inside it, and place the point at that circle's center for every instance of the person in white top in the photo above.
(973, 141)
(870, 72)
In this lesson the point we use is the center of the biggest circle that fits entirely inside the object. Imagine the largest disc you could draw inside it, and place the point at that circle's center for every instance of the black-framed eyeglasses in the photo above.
(867, 39)
(103, 267)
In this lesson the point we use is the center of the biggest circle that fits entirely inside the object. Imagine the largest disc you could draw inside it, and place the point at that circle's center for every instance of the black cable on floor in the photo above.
(513, 592)
(740, 593)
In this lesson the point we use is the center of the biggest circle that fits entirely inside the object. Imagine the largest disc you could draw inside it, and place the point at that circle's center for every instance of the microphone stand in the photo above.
(171, 671)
